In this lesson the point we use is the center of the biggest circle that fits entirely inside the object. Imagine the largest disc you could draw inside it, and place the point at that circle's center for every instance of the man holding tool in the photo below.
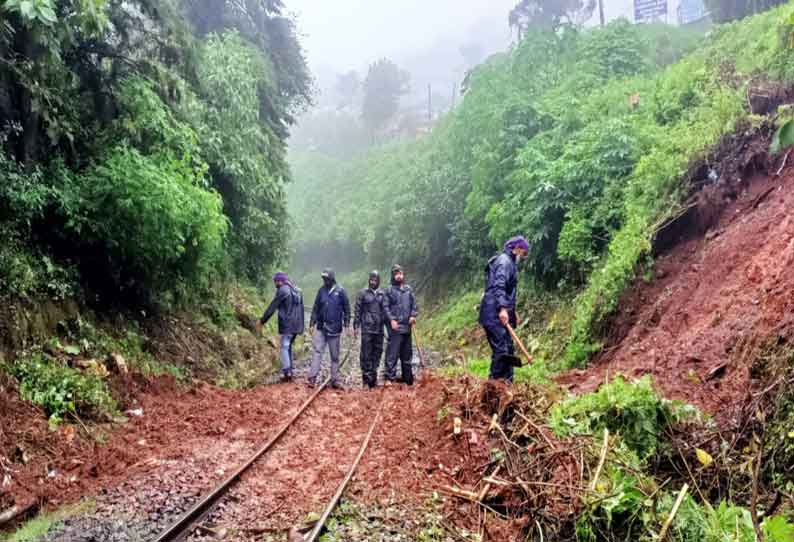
(370, 319)
(401, 312)
(330, 316)
(288, 301)
(498, 307)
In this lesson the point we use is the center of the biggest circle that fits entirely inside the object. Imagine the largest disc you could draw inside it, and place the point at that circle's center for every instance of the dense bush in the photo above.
(61, 390)
(632, 410)
(150, 215)
(145, 141)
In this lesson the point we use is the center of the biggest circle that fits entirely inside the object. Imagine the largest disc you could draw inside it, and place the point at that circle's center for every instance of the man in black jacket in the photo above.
(498, 306)
(401, 312)
(330, 316)
(370, 319)
(288, 301)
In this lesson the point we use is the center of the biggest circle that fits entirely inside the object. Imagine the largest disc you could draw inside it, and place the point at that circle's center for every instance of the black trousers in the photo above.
(400, 346)
(371, 351)
(501, 345)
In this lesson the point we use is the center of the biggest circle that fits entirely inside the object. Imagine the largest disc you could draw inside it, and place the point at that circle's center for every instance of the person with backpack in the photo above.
(401, 313)
(288, 301)
(330, 317)
(498, 306)
(370, 319)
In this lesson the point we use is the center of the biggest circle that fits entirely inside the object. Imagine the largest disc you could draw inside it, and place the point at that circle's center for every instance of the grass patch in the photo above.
(39, 526)
(538, 373)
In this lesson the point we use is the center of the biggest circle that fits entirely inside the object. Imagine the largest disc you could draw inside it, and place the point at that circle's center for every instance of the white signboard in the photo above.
(649, 10)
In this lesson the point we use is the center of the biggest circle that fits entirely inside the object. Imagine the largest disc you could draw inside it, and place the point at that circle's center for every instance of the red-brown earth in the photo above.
(710, 296)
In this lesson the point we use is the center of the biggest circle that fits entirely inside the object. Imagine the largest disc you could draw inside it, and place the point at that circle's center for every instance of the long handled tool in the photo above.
(520, 344)
(419, 349)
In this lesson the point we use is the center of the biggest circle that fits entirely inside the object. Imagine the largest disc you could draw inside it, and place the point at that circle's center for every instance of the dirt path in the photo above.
(709, 297)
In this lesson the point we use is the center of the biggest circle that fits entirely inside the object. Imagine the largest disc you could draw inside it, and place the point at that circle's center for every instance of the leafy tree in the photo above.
(384, 85)
(247, 158)
(194, 97)
(549, 14)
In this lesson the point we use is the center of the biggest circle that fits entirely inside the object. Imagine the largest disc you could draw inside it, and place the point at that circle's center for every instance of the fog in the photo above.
(348, 34)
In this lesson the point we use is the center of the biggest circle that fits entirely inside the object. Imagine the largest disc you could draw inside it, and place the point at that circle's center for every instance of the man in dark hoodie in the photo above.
(498, 306)
(370, 319)
(330, 316)
(401, 312)
(288, 301)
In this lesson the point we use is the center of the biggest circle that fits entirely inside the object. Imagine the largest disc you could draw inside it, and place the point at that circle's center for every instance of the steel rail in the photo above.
(315, 533)
(183, 525)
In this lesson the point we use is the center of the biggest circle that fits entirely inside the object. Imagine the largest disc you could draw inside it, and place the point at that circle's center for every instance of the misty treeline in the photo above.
(578, 139)
(143, 144)
(551, 14)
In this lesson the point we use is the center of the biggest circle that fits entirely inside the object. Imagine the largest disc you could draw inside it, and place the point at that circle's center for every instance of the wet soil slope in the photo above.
(709, 296)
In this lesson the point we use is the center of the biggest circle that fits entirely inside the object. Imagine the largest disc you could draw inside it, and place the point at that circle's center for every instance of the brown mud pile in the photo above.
(52, 467)
(724, 276)
(415, 460)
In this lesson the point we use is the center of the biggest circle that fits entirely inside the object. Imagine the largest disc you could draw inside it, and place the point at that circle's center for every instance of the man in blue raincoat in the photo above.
(498, 306)
(288, 301)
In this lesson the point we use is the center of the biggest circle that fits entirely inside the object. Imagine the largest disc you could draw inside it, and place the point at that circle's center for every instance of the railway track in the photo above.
(190, 521)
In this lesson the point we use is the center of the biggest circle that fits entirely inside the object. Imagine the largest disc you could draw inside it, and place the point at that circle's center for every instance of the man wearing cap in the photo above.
(288, 301)
(401, 312)
(498, 306)
(370, 319)
(330, 316)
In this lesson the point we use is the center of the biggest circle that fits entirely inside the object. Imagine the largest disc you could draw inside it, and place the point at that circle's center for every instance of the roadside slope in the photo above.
(711, 297)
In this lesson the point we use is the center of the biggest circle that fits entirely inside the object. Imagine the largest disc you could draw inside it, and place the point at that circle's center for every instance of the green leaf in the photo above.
(27, 9)
(47, 14)
(783, 138)
(72, 350)
(777, 529)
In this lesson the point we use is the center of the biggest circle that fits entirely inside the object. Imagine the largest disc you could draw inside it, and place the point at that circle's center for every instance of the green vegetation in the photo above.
(579, 139)
(61, 390)
(631, 410)
(629, 502)
(144, 144)
(36, 528)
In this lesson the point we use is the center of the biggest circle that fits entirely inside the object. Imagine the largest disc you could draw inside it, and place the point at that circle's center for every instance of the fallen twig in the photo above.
(538, 429)
(601, 460)
(783, 165)
(487, 487)
(673, 512)
(762, 196)
(754, 500)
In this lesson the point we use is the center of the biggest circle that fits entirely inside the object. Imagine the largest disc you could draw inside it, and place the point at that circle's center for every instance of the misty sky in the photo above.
(348, 34)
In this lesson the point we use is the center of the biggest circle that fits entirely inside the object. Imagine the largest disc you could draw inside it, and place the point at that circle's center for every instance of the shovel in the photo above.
(515, 361)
